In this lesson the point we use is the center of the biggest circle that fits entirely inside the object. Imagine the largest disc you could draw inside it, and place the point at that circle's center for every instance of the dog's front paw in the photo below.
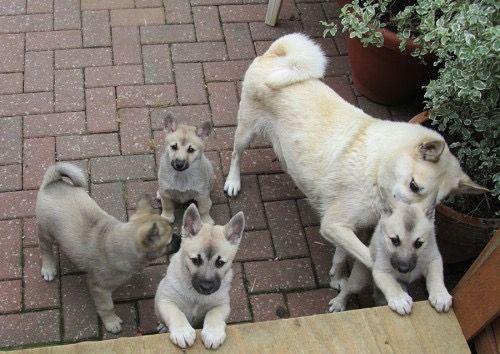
(183, 336)
(207, 219)
(337, 304)
(49, 272)
(113, 323)
(338, 283)
(232, 186)
(213, 337)
(170, 217)
(401, 303)
(441, 301)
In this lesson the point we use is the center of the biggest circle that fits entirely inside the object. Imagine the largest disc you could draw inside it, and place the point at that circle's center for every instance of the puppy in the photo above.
(335, 153)
(185, 173)
(109, 250)
(195, 290)
(403, 249)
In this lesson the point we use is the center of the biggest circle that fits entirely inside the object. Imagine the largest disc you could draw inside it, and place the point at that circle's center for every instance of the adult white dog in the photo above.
(337, 155)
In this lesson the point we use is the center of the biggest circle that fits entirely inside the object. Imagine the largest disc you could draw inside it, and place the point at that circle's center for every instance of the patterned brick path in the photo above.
(89, 82)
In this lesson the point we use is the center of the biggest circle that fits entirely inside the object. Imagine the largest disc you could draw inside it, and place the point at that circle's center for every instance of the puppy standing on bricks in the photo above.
(336, 154)
(185, 173)
(403, 248)
(196, 288)
(109, 250)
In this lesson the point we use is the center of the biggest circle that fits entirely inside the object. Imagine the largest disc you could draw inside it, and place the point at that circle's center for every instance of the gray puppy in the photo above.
(185, 173)
(403, 248)
(196, 287)
(109, 250)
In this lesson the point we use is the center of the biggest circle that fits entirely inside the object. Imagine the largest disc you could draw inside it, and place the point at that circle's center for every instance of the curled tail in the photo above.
(299, 58)
(56, 172)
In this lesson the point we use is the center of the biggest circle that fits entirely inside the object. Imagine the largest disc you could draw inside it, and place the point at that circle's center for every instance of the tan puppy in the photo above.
(185, 173)
(336, 154)
(195, 290)
(403, 249)
(109, 250)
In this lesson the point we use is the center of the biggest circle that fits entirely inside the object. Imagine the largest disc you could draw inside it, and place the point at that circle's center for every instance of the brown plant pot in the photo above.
(460, 237)
(386, 75)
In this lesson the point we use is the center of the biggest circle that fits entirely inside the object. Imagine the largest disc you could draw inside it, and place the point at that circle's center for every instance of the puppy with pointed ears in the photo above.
(109, 250)
(195, 290)
(185, 173)
(403, 249)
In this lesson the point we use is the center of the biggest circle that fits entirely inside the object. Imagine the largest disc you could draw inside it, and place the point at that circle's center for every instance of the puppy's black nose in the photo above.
(206, 285)
(403, 268)
(179, 165)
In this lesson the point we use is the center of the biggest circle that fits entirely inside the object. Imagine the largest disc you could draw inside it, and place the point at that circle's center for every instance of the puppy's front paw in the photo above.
(401, 303)
(49, 272)
(441, 301)
(113, 323)
(232, 186)
(337, 304)
(183, 336)
(338, 283)
(170, 217)
(213, 337)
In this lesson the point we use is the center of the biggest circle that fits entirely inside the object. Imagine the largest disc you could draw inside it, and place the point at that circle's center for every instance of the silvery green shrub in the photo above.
(463, 37)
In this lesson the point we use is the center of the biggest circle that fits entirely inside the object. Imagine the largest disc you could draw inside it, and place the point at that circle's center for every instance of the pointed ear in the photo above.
(430, 206)
(386, 201)
(234, 228)
(169, 123)
(151, 236)
(467, 186)
(204, 130)
(431, 150)
(191, 223)
(144, 205)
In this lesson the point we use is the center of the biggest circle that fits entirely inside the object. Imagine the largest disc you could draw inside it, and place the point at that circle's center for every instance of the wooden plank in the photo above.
(482, 281)
(273, 11)
(485, 341)
(372, 330)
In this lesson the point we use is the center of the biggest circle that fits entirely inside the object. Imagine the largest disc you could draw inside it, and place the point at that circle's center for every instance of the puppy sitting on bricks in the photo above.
(196, 288)
(185, 173)
(109, 250)
(403, 249)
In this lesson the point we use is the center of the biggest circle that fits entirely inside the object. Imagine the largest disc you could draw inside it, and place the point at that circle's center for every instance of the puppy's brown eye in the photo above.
(395, 241)
(197, 261)
(414, 186)
(190, 150)
(219, 262)
(418, 243)
(174, 147)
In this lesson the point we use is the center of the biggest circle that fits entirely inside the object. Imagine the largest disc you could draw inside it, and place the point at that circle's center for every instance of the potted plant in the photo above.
(462, 103)
(383, 68)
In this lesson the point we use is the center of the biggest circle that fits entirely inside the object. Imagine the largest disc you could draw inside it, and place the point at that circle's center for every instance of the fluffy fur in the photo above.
(403, 249)
(336, 154)
(195, 290)
(185, 173)
(109, 250)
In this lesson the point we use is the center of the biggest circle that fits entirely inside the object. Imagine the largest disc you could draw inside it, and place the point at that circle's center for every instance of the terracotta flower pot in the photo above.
(460, 237)
(386, 75)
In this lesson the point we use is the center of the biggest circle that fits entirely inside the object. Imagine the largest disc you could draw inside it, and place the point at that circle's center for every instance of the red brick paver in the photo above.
(89, 82)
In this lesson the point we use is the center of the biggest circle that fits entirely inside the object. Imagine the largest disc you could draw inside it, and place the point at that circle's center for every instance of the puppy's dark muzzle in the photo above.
(174, 244)
(180, 165)
(206, 286)
(404, 266)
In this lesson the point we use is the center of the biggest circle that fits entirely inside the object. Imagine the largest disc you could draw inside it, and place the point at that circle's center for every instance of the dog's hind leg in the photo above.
(338, 272)
(242, 137)
(358, 280)
(49, 263)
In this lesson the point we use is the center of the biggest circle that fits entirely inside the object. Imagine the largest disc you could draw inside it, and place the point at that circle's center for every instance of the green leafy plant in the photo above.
(463, 39)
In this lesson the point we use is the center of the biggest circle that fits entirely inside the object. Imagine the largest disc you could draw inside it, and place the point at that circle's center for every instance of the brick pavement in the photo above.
(89, 81)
